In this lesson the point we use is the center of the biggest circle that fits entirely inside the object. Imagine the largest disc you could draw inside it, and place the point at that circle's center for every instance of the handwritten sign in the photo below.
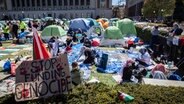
(42, 78)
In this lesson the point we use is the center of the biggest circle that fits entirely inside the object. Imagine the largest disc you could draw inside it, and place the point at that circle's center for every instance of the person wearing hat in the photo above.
(75, 74)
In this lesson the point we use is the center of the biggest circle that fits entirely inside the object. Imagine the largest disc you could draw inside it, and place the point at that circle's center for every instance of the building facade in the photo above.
(134, 7)
(16, 9)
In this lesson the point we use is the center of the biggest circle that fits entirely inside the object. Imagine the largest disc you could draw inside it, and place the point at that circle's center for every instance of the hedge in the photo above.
(104, 94)
(145, 34)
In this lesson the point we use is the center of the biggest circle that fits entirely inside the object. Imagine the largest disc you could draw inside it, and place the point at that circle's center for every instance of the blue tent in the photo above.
(81, 23)
(93, 22)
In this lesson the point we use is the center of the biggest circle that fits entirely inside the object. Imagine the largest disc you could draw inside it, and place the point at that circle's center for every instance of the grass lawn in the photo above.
(103, 77)
(6, 43)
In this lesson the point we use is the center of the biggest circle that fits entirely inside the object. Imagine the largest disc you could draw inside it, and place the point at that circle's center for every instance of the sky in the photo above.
(115, 2)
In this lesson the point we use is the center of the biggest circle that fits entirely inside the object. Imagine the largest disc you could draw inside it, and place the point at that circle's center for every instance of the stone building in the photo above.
(55, 8)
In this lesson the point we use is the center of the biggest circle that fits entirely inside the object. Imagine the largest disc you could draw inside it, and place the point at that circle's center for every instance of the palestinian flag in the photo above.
(125, 97)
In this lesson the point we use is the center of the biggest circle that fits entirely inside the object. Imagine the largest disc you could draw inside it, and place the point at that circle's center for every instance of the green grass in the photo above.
(7, 43)
(103, 77)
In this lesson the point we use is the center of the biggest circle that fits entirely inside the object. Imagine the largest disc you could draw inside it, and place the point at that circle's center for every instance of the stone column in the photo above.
(36, 6)
(85, 3)
(52, 5)
(57, 3)
(25, 2)
(30, 3)
(46, 4)
(79, 3)
(20, 1)
(15, 3)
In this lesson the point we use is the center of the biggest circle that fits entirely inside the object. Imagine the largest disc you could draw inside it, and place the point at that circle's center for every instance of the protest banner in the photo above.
(42, 78)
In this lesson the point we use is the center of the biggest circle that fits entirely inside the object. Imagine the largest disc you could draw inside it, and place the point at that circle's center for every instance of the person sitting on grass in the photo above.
(75, 74)
(160, 67)
(89, 56)
(144, 57)
(128, 71)
(87, 43)
(7, 66)
(68, 44)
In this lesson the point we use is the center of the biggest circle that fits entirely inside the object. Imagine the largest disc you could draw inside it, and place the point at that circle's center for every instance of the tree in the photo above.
(178, 14)
(155, 8)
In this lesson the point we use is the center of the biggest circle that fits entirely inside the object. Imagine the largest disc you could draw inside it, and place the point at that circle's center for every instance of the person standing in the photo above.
(6, 31)
(15, 29)
(154, 37)
(22, 26)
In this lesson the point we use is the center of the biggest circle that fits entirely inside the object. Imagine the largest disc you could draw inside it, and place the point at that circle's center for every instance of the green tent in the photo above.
(53, 30)
(113, 32)
(126, 26)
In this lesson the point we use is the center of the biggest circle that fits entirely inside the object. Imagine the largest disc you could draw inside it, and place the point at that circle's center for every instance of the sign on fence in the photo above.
(42, 78)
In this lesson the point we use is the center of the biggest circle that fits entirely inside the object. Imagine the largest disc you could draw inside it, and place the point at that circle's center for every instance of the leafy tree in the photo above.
(179, 10)
(155, 8)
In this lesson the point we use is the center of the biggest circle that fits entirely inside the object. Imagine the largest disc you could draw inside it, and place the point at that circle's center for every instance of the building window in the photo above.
(87, 2)
(49, 2)
(71, 2)
(13, 3)
(28, 3)
(76, 2)
(43, 3)
(33, 2)
(18, 3)
(54, 2)
(60, 2)
(82, 2)
(107, 4)
(23, 3)
(65, 2)
(38, 2)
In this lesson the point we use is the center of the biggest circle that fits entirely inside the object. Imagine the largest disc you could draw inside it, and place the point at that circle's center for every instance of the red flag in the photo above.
(39, 49)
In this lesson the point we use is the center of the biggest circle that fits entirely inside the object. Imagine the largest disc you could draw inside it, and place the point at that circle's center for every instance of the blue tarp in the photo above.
(113, 65)
(74, 55)
(22, 34)
(81, 23)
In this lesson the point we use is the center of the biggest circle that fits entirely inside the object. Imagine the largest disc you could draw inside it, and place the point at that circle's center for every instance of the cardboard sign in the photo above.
(42, 78)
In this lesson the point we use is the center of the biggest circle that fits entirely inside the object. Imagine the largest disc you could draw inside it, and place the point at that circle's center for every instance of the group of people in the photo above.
(174, 33)
(11, 29)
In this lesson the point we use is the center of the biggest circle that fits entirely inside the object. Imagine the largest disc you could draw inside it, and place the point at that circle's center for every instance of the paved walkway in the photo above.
(166, 83)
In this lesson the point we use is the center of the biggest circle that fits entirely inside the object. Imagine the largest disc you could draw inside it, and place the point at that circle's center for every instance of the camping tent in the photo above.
(112, 36)
(127, 27)
(103, 22)
(53, 30)
(79, 23)
(113, 32)
(113, 21)
(93, 22)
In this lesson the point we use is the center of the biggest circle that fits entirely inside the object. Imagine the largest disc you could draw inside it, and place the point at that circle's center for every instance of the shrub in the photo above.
(145, 33)
(103, 94)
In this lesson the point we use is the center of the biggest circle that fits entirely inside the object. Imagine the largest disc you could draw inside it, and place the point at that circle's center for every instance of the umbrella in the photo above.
(53, 30)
